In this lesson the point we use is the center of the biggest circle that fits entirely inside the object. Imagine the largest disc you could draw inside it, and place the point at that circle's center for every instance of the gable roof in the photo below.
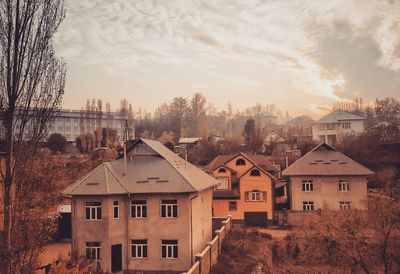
(300, 120)
(324, 160)
(339, 115)
(256, 159)
(151, 168)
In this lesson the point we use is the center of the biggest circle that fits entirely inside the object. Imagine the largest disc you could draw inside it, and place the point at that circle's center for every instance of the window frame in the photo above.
(116, 207)
(139, 206)
(251, 195)
(307, 185)
(240, 162)
(344, 185)
(330, 126)
(217, 187)
(345, 205)
(173, 205)
(95, 211)
(256, 171)
(308, 206)
(93, 250)
(232, 208)
(142, 245)
(346, 125)
(174, 248)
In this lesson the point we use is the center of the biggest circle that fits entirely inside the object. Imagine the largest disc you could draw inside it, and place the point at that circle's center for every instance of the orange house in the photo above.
(246, 189)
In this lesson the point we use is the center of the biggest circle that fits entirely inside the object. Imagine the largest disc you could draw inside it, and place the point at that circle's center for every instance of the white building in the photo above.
(332, 127)
(72, 123)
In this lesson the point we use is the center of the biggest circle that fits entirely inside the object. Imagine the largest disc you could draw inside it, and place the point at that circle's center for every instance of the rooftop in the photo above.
(151, 168)
(338, 116)
(324, 160)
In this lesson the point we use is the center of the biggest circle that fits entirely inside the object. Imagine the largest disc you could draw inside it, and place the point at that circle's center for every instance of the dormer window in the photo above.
(255, 173)
(222, 170)
(240, 162)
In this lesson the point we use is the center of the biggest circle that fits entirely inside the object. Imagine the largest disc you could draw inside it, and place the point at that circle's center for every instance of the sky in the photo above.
(300, 55)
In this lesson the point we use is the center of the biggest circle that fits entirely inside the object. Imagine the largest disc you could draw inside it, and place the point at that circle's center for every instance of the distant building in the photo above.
(300, 128)
(273, 137)
(332, 127)
(153, 216)
(187, 143)
(326, 178)
(246, 188)
(72, 123)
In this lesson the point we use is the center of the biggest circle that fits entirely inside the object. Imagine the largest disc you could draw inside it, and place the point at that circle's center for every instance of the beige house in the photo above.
(154, 214)
(326, 178)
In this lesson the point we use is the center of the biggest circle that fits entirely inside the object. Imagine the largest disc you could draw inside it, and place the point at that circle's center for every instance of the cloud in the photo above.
(328, 49)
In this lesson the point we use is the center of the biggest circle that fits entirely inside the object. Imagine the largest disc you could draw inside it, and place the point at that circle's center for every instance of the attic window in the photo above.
(312, 163)
(342, 163)
(318, 161)
(153, 178)
(92, 184)
(162, 181)
(255, 173)
(240, 162)
(327, 163)
(334, 161)
(222, 170)
(143, 181)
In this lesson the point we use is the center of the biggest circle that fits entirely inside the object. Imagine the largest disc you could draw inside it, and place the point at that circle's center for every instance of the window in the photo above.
(308, 185)
(222, 170)
(255, 172)
(93, 211)
(345, 205)
(93, 251)
(240, 162)
(346, 125)
(308, 205)
(330, 126)
(116, 210)
(139, 248)
(169, 208)
(344, 186)
(138, 209)
(223, 182)
(232, 206)
(255, 196)
(169, 249)
(60, 128)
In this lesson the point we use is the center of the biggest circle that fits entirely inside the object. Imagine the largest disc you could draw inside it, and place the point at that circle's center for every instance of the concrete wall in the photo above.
(326, 192)
(111, 231)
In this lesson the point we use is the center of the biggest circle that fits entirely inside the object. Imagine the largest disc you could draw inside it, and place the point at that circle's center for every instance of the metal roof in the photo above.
(189, 140)
(151, 168)
(324, 160)
(338, 116)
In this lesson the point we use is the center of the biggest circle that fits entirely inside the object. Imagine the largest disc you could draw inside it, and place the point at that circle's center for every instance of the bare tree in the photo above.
(32, 82)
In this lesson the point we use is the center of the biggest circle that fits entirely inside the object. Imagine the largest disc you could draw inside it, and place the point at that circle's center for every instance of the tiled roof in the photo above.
(337, 116)
(158, 170)
(324, 160)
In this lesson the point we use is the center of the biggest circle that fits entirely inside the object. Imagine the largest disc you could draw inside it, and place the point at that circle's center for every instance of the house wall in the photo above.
(320, 130)
(248, 183)
(326, 192)
(228, 174)
(111, 231)
(239, 169)
(201, 220)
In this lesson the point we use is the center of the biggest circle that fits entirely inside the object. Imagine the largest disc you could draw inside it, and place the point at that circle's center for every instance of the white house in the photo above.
(332, 127)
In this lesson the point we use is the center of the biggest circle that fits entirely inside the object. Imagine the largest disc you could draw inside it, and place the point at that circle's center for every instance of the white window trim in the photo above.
(140, 206)
(345, 205)
(309, 206)
(308, 185)
(255, 196)
(172, 251)
(91, 217)
(97, 250)
(166, 210)
(115, 206)
(341, 184)
(141, 246)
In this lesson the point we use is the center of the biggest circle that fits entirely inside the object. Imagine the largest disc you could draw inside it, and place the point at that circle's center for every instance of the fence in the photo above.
(294, 217)
(206, 259)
